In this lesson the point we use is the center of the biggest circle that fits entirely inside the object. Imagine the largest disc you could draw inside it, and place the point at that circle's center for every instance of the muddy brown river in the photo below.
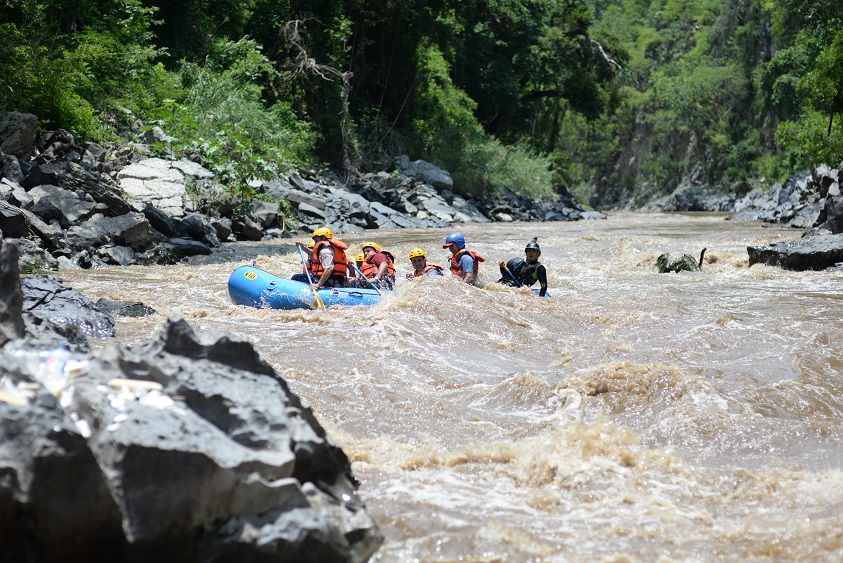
(634, 415)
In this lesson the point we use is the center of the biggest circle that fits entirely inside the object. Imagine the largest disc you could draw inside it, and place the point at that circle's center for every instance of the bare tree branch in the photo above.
(306, 64)
(609, 60)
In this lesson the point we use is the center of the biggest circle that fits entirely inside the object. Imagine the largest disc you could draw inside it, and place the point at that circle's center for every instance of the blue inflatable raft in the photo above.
(251, 286)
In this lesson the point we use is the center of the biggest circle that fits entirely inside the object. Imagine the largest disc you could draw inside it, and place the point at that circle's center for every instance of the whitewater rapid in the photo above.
(691, 416)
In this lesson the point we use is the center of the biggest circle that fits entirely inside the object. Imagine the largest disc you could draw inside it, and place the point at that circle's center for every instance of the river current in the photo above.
(634, 415)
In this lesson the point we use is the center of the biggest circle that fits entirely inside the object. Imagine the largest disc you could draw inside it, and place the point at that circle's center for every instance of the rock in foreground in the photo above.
(185, 448)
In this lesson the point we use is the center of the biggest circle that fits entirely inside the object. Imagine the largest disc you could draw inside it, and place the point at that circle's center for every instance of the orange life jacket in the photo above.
(455, 262)
(370, 270)
(340, 261)
(311, 266)
(426, 269)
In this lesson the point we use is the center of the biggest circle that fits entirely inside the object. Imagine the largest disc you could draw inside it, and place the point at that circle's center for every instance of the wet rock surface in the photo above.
(678, 262)
(47, 298)
(124, 308)
(809, 200)
(812, 253)
(188, 447)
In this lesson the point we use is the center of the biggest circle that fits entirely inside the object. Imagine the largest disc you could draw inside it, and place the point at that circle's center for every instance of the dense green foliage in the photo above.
(618, 99)
(729, 93)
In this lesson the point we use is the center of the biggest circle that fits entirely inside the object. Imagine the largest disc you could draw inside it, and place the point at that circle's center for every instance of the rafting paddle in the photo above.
(362, 275)
(511, 276)
(317, 301)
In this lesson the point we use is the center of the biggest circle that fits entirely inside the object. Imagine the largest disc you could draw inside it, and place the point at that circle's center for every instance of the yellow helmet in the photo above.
(311, 243)
(417, 252)
(371, 244)
(359, 257)
(323, 232)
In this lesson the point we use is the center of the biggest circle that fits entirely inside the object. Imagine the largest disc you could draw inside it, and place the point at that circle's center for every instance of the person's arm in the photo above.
(324, 277)
(381, 270)
(467, 265)
(542, 273)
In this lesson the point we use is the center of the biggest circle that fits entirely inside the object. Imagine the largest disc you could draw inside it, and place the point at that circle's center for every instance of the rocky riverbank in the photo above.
(76, 204)
(188, 447)
(810, 199)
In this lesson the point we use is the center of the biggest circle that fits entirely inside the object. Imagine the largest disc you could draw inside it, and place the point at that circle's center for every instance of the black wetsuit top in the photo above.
(528, 274)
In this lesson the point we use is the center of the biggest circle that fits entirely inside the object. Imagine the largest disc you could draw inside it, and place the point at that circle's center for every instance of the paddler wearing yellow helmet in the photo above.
(308, 266)
(329, 263)
(421, 266)
(378, 265)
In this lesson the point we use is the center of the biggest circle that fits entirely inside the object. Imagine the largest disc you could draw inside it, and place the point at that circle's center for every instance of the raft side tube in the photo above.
(254, 287)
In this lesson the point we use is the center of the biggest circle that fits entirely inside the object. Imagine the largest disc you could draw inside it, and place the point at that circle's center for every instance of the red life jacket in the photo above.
(370, 270)
(417, 273)
(455, 262)
(340, 261)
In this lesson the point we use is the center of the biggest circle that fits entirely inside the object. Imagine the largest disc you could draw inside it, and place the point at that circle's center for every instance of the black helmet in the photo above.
(533, 245)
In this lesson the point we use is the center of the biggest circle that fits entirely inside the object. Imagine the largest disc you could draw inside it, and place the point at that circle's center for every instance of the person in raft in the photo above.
(517, 271)
(330, 264)
(465, 264)
(421, 267)
(378, 265)
(355, 272)
(302, 277)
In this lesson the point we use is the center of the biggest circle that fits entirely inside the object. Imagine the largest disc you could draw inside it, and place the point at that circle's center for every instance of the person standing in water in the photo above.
(421, 266)
(465, 264)
(517, 271)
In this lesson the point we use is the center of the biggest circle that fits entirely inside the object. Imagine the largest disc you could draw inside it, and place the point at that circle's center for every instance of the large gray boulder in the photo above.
(17, 133)
(812, 253)
(131, 229)
(10, 167)
(678, 262)
(425, 172)
(46, 297)
(188, 447)
(54, 501)
(156, 182)
(66, 206)
(11, 299)
(191, 449)
(12, 221)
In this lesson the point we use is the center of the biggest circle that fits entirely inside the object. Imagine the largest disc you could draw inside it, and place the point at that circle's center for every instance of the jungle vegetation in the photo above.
(620, 100)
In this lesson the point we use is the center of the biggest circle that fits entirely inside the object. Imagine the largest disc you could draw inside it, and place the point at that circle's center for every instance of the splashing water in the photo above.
(634, 414)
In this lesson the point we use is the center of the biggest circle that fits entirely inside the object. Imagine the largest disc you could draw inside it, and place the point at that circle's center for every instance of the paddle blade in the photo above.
(317, 301)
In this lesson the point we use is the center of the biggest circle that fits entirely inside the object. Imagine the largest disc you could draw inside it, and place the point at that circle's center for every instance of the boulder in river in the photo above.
(679, 262)
(812, 253)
